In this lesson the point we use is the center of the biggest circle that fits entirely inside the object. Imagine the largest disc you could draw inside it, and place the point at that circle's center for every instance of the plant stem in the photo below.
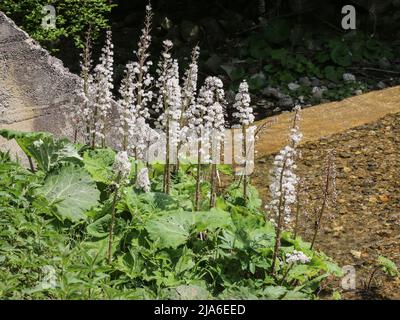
(112, 222)
(197, 196)
(75, 135)
(94, 128)
(296, 223)
(371, 277)
(31, 164)
(136, 163)
(233, 149)
(286, 273)
(280, 220)
(167, 171)
(324, 202)
(213, 191)
(245, 165)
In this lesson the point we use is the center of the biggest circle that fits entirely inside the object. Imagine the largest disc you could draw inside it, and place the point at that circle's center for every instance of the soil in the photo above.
(365, 222)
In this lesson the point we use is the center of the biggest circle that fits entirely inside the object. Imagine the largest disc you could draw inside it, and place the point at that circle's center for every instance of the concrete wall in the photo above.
(35, 88)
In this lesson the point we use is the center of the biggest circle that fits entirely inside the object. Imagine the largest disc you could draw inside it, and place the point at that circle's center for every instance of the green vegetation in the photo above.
(55, 224)
(272, 55)
(73, 18)
(385, 265)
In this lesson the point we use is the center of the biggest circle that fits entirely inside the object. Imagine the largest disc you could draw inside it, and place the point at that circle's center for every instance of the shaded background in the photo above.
(289, 51)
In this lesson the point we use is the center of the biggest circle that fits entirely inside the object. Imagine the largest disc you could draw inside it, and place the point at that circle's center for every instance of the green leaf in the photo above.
(185, 262)
(341, 55)
(388, 266)
(333, 74)
(149, 202)
(43, 148)
(238, 293)
(99, 228)
(71, 191)
(295, 295)
(336, 296)
(334, 269)
(99, 164)
(212, 220)
(301, 272)
(171, 230)
(274, 292)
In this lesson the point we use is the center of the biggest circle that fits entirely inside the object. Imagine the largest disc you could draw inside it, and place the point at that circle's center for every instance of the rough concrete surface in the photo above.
(327, 119)
(35, 87)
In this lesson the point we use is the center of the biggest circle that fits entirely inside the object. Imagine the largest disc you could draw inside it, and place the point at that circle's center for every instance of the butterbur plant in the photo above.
(121, 168)
(189, 88)
(243, 115)
(80, 114)
(169, 106)
(135, 132)
(195, 124)
(189, 91)
(127, 111)
(283, 185)
(142, 180)
(161, 215)
(292, 259)
(102, 92)
(212, 103)
(142, 82)
(297, 257)
(87, 85)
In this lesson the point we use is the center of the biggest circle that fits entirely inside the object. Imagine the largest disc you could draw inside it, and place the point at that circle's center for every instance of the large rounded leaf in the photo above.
(72, 191)
(212, 220)
(172, 229)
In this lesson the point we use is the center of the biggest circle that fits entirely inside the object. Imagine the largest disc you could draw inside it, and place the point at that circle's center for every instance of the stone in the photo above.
(332, 85)
(348, 77)
(286, 102)
(293, 86)
(315, 82)
(36, 90)
(356, 254)
(317, 92)
(272, 93)
(381, 85)
(305, 81)
(34, 86)
(266, 105)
